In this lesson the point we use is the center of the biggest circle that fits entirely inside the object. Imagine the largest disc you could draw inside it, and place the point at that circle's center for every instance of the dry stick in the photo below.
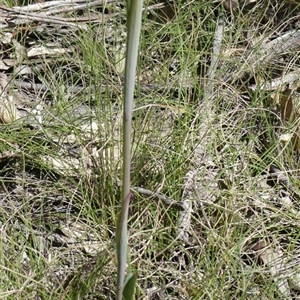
(278, 82)
(161, 197)
(23, 12)
(39, 87)
(23, 19)
(45, 5)
(108, 16)
(79, 7)
(261, 55)
(42, 17)
(283, 44)
(53, 4)
(192, 189)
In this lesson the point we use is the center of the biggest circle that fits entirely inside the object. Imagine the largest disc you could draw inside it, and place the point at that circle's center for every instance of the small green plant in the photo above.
(134, 18)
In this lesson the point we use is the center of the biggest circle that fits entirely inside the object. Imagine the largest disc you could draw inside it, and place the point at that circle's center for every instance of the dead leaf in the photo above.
(273, 257)
(286, 105)
(8, 110)
(45, 50)
(294, 281)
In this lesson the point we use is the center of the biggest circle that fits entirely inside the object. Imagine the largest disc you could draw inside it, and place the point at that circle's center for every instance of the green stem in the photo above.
(134, 19)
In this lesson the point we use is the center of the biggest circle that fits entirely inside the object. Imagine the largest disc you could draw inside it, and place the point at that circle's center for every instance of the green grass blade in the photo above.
(122, 245)
(129, 286)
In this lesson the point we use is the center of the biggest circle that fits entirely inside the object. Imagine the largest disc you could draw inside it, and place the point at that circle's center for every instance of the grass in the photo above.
(58, 224)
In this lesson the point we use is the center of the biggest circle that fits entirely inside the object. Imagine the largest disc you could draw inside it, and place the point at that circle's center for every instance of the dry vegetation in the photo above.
(215, 173)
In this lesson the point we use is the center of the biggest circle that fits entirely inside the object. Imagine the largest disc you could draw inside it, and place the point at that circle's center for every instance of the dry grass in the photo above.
(58, 224)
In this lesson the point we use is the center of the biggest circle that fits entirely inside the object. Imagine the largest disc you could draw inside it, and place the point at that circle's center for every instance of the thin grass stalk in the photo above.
(134, 19)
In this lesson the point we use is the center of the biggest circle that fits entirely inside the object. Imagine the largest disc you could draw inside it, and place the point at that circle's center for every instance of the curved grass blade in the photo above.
(129, 286)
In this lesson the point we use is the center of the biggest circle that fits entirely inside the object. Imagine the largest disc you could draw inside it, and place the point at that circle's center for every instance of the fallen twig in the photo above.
(278, 82)
(192, 187)
(161, 197)
(263, 54)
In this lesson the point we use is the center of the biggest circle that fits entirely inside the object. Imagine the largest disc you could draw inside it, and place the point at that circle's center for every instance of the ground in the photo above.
(215, 150)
